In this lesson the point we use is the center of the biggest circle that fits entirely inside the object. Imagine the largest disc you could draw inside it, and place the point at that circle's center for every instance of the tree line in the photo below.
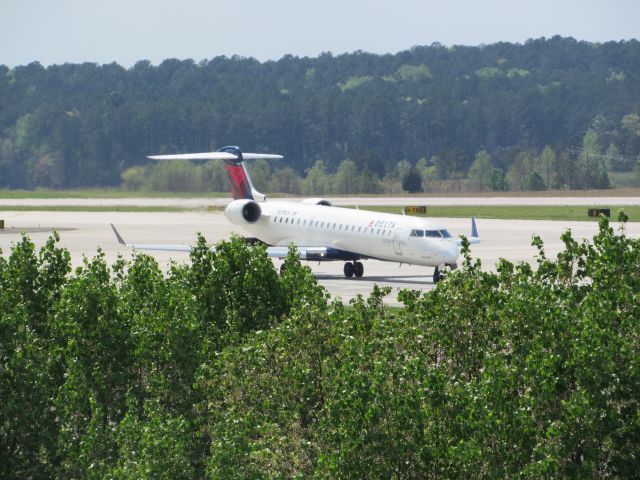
(79, 125)
(529, 171)
(220, 368)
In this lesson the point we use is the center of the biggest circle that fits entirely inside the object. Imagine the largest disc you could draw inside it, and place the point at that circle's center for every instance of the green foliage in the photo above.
(412, 73)
(30, 285)
(534, 183)
(346, 178)
(155, 445)
(134, 178)
(355, 82)
(481, 172)
(317, 181)
(498, 182)
(412, 181)
(488, 72)
(73, 125)
(592, 172)
(219, 368)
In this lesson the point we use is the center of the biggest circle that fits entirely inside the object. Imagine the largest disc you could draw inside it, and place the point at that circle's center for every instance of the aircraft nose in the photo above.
(450, 253)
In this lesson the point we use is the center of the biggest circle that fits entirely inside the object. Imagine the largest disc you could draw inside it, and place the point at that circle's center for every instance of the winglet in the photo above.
(118, 236)
(474, 228)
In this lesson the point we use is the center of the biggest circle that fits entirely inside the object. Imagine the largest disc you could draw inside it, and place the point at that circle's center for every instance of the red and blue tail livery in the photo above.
(239, 179)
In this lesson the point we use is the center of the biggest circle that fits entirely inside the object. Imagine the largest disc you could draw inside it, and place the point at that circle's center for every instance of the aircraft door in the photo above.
(397, 241)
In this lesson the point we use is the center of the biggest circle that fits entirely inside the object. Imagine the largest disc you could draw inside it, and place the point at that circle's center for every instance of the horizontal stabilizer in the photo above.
(196, 156)
(216, 156)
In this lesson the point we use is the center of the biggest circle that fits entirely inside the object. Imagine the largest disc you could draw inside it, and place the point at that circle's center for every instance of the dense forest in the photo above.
(549, 113)
(220, 368)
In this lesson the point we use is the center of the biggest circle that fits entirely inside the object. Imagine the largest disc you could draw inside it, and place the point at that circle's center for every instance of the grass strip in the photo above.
(519, 212)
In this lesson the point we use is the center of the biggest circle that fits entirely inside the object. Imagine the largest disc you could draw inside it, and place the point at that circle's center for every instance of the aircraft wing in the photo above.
(306, 253)
(315, 253)
(145, 246)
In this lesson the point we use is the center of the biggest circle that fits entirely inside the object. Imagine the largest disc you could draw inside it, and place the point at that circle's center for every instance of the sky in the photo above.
(126, 31)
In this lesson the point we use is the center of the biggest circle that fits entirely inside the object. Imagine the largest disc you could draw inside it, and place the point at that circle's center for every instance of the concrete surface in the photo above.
(83, 232)
(347, 201)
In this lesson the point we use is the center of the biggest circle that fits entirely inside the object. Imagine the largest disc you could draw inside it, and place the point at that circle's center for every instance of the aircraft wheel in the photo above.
(282, 268)
(359, 269)
(349, 269)
(437, 276)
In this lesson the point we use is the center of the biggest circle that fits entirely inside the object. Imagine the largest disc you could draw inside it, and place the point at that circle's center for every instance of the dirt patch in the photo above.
(18, 230)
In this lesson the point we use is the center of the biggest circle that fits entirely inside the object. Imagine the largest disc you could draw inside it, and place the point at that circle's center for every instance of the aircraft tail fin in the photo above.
(240, 182)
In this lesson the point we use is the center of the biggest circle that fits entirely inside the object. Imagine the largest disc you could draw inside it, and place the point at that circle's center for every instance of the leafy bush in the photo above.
(220, 368)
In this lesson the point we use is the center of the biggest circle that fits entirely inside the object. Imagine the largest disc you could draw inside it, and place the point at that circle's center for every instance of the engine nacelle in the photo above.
(317, 201)
(243, 211)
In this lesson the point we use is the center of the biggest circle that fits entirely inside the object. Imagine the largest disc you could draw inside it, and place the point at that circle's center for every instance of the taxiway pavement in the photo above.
(82, 233)
(204, 202)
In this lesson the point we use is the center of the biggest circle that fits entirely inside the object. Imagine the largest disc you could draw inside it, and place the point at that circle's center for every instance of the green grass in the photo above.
(518, 212)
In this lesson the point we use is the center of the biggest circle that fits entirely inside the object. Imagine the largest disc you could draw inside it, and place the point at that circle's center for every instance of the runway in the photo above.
(204, 202)
(82, 233)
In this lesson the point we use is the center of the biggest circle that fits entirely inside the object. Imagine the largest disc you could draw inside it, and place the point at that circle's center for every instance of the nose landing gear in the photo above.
(355, 268)
(437, 275)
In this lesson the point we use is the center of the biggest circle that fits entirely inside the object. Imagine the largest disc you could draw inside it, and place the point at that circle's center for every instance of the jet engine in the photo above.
(243, 211)
(317, 201)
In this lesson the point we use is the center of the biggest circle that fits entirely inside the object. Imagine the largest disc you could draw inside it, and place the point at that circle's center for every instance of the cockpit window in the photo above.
(445, 234)
(432, 233)
(417, 233)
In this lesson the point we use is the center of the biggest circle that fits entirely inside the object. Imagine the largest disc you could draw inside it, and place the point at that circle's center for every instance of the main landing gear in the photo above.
(355, 268)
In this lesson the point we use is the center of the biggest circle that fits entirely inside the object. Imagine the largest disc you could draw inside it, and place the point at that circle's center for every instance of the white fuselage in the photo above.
(382, 236)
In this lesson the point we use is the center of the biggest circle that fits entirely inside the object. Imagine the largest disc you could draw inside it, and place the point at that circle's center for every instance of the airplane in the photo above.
(322, 232)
